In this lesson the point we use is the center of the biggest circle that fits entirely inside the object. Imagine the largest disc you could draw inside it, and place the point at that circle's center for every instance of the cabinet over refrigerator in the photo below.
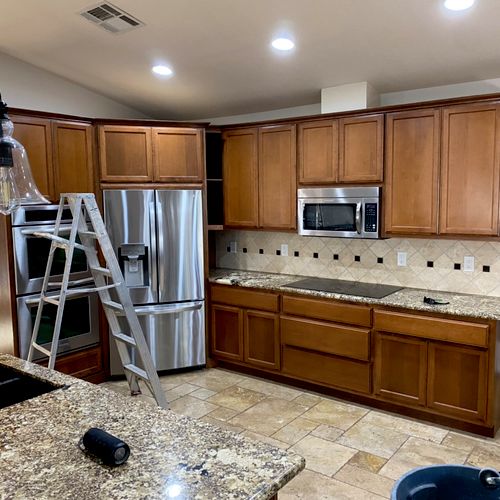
(158, 238)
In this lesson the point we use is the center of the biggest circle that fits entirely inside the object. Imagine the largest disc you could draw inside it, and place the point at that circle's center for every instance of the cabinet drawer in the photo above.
(327, 309)
(245, 298)
(432, 328)
(336, 372)
(325, 337)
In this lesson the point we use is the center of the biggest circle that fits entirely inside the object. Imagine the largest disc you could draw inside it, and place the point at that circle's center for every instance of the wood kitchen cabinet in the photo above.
(262, 339)
(241, 181)
(470, 170)
(361, 146)
(412, 172)
(260, 177)
(227, 332)
(318, 152)
(61, 154)
(145, 154)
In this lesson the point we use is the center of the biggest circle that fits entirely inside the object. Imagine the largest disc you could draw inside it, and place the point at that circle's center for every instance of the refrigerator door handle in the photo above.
(160, 257)
(153, 258)
(168, 309)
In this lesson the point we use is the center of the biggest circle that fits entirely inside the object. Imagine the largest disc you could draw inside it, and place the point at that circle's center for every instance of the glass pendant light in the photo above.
(17, 186)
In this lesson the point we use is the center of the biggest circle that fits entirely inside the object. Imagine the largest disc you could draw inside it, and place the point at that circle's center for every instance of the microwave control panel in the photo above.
(370, 217)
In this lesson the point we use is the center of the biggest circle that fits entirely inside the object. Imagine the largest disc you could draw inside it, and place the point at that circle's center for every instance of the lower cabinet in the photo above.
(261, 338)
(227, 332)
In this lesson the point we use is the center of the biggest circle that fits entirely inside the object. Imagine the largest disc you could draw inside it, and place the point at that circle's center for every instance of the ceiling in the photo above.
(220, 49)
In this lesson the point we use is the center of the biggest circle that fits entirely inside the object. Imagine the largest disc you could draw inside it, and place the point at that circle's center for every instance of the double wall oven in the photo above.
(80, 325)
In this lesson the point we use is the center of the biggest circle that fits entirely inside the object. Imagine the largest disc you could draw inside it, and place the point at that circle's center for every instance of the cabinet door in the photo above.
(277, 177)
(318, 152)
(261, 339)
(36, 137)
(241, 181)
(227, 332)
(412, 169)
(361, 149)
(457, 383)
(178, 154)
(470, 170)
(400, 369)
(73, 157)
(125, 153)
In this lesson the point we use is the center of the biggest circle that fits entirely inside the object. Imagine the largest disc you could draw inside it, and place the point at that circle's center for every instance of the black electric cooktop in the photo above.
(372, 290)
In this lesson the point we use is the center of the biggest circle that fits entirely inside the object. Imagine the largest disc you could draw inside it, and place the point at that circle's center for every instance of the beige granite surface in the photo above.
(171, 455)
(473, 306)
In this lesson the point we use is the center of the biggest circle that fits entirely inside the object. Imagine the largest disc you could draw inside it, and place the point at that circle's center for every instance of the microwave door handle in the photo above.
(358, 218)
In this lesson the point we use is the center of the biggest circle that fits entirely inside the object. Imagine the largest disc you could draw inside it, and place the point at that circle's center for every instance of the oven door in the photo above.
(30, 259)
(79, 328)
(337, 217)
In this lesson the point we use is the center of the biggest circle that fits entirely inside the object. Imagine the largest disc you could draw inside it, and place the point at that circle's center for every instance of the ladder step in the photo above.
(41, 349)
(139, 372)
(115, 306)
(58, 241)
(92, 234)
(85, 291)
(82, 281)
(127, 339)
(51, 300)
(101, 270)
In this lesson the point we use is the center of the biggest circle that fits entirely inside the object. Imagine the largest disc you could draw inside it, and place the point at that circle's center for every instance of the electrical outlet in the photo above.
(233, 246)
(402, 259)
(284, 250)
(469, 264)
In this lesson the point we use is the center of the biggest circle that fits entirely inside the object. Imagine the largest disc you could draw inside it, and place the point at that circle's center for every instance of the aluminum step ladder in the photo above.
(83, 205)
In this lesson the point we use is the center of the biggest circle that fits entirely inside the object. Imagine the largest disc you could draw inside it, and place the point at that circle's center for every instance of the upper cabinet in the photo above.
(318, 152)
(361, 148)
(470, 170)
(412, 172)
(348, 150)
(61, 154)
(144, 154)
(260, 177)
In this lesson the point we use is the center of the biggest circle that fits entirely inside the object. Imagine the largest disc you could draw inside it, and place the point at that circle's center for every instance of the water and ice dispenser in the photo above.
(133, 258)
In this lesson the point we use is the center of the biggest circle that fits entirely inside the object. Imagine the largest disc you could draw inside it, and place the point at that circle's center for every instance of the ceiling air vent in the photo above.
(111, 18)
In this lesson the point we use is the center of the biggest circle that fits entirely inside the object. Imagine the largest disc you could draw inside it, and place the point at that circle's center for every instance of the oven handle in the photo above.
(358, 218)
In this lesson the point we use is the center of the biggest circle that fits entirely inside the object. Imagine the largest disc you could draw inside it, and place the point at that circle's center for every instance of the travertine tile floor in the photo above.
(351, 452)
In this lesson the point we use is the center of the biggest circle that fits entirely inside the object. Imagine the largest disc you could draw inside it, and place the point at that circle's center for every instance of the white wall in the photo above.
(26, 86)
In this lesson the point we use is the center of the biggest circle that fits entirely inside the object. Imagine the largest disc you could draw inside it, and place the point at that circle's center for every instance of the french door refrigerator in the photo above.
(157, 236)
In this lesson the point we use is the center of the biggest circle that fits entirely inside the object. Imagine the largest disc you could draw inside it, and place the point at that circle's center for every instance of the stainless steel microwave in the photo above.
(350, 212)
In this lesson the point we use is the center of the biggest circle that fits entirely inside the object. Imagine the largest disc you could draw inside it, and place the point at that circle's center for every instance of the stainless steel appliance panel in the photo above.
(175, 334)
(180, 245)
(131, 224)
(80, 325)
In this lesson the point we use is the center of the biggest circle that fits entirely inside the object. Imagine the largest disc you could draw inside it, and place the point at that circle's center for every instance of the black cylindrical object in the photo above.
(110, 449)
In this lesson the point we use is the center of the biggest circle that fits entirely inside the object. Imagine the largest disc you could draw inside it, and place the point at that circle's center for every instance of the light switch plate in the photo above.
(233, 246)
(469, 263)
(402, 259)
(284, 250)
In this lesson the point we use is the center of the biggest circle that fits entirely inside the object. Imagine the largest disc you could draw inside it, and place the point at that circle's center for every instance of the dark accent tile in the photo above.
(457, 267)
(261, 251)
(335, 256)
(315, 255)
(278, 252)
(430, 263)
(245, 250)
(295, 254)
(357, 258)
(228, 249)
(380, 260)
(486, 269)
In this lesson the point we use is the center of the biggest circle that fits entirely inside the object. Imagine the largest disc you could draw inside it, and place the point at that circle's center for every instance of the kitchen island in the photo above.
(171, 456)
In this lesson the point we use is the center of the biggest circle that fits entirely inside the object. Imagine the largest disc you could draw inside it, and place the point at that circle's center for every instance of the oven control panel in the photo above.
(370, 217)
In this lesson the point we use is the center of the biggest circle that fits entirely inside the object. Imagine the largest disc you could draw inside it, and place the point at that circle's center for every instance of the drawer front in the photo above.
(328, 310)
(335, 372)
(325, 337)
(248, 299)
(432, 328)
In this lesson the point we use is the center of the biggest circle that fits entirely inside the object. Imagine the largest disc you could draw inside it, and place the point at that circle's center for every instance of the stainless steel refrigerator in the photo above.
(158, 238)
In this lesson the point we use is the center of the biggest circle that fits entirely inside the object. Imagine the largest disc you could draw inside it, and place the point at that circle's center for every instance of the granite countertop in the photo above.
(171, 456)
(472, 306)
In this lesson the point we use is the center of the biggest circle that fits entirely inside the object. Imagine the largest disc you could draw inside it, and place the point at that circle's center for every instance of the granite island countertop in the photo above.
(473, 306)
(171, 455)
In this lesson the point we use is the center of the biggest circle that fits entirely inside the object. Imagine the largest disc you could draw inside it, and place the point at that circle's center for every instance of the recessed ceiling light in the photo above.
(458, 4)
(162, 70)
(282, 44)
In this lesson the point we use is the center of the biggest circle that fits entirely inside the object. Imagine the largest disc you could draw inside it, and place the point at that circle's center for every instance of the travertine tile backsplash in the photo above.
(431, 263)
